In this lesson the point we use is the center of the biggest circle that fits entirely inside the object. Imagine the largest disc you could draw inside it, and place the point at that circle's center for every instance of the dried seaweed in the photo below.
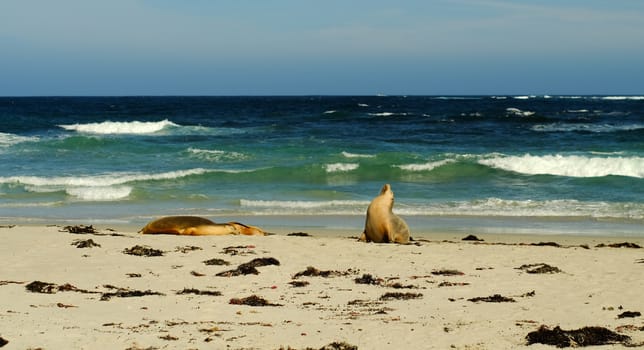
(629, 314)
(3, 342)
(539, 268)
(80, 229)
(249, 268)
(619, 245)
(88, 243)
(575, 338)
(139, 250)
(369, 279)
(252, 300)
(126, 293)
(299, 234)
(313, 272)
(332, 346)
(199, 292)
(52, 288)
(298, 284)
(472, 238)
(186, 249)
(496, 298)
(239, 250)
(399, 296)
(447, 273)
(547, 244)
(216, 261)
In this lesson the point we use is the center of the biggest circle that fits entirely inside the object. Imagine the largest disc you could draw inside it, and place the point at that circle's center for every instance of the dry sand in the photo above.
(419, 296)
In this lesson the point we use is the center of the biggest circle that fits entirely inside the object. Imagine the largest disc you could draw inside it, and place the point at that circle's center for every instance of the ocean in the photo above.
(466, 164)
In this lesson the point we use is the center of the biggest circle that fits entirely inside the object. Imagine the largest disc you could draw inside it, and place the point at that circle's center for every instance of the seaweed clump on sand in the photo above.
(313, 272)
(369, 279)
(539, 268)
(472, 238)
(626, 314)
(619, 245)
(333, 346)
(139, 250)
(252, 300)
(299, 234)
(88, 243)
(496, 298)
(126, 293)
(586, 336)
(199, 292)
(401, 296)
(216, 261)
(80, 229)
(249, 268)
(446, 272)
(3, 342)
(52, 288)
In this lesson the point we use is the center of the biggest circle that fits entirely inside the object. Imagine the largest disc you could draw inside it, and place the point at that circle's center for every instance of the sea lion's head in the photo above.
(388, 194)
(247, 230)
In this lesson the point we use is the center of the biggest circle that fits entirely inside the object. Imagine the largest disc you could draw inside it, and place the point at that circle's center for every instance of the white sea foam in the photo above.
(597, 128)
(357, 155)
(341, 167)
(363, 105)
(577, 111)
(528, 208)
(523, 97)
(382, 114)
(332, 207)
(518, 112)
(7, 139)
(109, 127)
(330, 112)
(572, 166)
(102, 193)
(425, 166)
(215, 155)
(621, 98)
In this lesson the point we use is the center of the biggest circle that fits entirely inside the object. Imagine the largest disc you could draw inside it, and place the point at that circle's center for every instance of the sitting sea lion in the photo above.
(382, 225)
(197, 226)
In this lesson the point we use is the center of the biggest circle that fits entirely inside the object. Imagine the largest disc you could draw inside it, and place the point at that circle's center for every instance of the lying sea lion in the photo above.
(197, 226)
(382, 225)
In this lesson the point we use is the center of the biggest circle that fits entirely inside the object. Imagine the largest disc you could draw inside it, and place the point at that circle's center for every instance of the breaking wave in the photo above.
(109, 127)
(595, 128)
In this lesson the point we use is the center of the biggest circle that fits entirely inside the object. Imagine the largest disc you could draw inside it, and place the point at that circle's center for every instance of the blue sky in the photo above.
(331, 47)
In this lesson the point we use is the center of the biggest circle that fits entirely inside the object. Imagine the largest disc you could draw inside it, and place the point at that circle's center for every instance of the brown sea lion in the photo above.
(382, 225)
(197, 226)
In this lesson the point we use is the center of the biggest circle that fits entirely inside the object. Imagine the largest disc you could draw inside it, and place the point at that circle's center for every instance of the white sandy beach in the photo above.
(594, 286)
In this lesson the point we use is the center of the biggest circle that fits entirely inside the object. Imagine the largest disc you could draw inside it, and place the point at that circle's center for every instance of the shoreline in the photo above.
(308, 292)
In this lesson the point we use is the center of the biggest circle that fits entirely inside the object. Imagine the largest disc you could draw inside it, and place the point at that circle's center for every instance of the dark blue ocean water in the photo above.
(571, 164)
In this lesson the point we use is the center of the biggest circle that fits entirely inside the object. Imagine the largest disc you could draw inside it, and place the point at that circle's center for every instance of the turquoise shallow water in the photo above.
(535, 164)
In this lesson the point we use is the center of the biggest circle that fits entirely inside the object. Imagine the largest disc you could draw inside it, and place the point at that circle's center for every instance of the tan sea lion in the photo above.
(197, 226)
(382, 225)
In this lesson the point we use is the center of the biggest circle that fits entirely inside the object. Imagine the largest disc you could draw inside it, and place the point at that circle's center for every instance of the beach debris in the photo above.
(538, 268)
(586, 336)
(332, 346)
(639, 261)
(87, 243)
(125, 293)
(252, 300)
(53, 288)
(447, 272)
(168, 337)
(629, 314)
(249, 267)
(133, 275)
(3, 342)
(186, 249)
(399, 296)
(453, 284)
(496, 298)
(239, 250)
(546, 244)
(216, 261)
(299, 284)
(313, 272)
(199, 292)
(472, 238)
(65, 306)
(619, 245)
(299, 234)
(80, 229)
(369, 279)
(3, 283)
(140, 250)
(7, 226)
